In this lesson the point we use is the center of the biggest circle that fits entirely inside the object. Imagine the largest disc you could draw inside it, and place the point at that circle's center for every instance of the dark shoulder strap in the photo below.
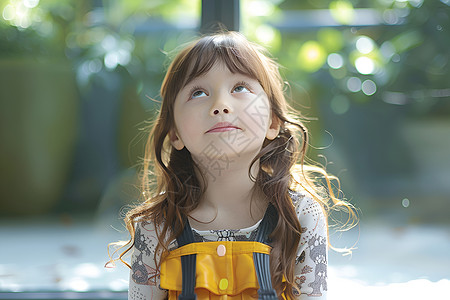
(261, 260)
(188, 263)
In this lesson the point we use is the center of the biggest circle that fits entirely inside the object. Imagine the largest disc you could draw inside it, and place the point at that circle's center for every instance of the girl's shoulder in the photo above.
(306, 206)
(146, 237)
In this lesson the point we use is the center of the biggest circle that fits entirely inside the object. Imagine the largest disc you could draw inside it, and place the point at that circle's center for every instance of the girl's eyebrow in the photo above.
(241, 77)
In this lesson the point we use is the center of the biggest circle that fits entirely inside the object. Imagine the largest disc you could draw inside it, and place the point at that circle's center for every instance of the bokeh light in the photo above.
(77, 284)
(31, 3)
(20, 13)
(260, 8)
(311, 56)
(369, 87)
(268, 36)
(405, 202)
(364, 44)
(365, 65)
(342, 11)
(354, 84)
(9, 12)
(335, 61)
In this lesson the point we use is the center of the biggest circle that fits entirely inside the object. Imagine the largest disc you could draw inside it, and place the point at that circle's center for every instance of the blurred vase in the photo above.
(38, 127)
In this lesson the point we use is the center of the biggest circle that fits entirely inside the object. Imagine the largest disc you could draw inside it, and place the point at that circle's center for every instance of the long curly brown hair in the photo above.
(170, 188)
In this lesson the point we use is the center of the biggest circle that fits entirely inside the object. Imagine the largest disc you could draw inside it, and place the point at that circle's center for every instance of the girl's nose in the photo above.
(220, 104)
(216, 111)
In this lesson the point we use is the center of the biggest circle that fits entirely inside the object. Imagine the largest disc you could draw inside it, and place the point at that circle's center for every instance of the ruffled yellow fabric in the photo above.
(231, 276)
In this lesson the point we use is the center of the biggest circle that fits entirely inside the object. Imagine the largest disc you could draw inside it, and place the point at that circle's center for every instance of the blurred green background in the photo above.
(77, 79)
(79, 83)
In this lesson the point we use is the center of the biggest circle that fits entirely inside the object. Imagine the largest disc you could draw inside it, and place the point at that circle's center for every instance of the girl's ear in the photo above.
(274, 127)
(176, 142)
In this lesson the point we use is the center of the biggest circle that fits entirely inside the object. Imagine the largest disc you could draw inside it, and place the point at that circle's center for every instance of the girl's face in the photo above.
(221, 116)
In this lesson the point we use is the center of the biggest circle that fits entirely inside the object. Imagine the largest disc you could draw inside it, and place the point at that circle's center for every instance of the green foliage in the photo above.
(404, 60)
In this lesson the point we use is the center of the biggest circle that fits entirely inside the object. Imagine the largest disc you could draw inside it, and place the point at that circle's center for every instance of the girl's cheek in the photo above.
(257, 113)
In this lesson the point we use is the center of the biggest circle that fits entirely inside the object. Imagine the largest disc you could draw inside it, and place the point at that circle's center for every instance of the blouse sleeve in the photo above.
(144, 277)
(310, 273)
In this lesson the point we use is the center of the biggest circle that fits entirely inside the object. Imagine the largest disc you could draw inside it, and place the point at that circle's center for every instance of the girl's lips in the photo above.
(221, 129)
(222, 126)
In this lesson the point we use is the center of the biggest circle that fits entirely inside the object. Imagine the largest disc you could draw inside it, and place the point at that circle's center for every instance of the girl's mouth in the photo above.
(222, 126)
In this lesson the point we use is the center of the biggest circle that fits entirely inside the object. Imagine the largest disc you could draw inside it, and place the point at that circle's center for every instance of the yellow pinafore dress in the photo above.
(223, 269)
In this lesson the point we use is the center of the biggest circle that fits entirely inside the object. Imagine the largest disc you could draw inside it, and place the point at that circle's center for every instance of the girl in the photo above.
(230, 213)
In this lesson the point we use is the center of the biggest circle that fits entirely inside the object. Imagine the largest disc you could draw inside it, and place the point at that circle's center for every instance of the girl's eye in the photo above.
(241, 89)
(198, 94)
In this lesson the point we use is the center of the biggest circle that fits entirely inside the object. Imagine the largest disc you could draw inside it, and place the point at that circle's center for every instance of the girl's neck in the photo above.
(233, 188)
(231, 200)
